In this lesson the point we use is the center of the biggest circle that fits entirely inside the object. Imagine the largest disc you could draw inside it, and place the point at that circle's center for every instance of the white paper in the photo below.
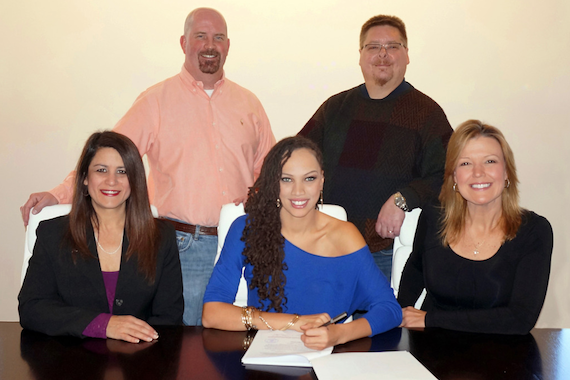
(281, 348)
(393, 365)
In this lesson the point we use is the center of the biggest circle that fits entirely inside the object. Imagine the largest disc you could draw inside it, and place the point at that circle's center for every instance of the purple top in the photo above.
(98, 326)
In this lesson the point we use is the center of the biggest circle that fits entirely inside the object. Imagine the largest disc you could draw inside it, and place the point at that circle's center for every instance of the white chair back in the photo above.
(403, 246)
(48, 212)
(231, 212)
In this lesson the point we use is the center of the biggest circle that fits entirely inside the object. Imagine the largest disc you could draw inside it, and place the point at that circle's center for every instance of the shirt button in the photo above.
(223, 193)
(221, 169)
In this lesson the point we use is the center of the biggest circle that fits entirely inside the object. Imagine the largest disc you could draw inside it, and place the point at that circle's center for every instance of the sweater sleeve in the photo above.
(430, 163)
(314, 129)
(224, 282)
(377, 298)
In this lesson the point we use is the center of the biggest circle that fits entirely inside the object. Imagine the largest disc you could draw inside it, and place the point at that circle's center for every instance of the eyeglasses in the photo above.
(391, 47)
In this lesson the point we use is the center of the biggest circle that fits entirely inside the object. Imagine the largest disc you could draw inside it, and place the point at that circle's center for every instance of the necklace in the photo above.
(476, 244)
(115, 251)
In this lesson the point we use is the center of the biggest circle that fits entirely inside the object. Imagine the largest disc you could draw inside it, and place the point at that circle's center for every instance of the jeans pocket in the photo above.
(184, 241)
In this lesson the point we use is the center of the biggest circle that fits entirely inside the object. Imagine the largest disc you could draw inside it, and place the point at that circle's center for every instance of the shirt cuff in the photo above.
(98, 326)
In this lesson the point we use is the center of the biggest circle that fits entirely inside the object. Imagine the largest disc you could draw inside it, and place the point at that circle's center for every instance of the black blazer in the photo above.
(59, 297)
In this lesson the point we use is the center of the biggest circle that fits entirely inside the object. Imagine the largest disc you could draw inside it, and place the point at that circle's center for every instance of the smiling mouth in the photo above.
(209, 54)
(480, 185)
(299, 203)
(110, 193)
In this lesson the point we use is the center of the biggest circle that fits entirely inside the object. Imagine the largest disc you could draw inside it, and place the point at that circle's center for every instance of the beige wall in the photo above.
(70, 67)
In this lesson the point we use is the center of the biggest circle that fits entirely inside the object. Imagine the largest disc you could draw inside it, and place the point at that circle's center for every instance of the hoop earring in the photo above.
(507, 183)
(321, 200)
(455, 187)
(278, 203)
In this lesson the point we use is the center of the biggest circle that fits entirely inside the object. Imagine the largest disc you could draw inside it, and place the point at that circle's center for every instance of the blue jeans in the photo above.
(197, 254)
(383, 260)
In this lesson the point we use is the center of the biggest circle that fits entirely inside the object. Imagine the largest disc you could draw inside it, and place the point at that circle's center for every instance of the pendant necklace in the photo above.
(115, 251)
(477, 245)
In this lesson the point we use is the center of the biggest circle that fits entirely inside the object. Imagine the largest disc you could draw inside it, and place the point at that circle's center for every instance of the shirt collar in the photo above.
(402, 87)
(189, 80)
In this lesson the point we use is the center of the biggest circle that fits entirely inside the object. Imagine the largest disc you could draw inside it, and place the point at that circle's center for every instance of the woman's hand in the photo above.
(413, 318)
(130, 329)
(310, 321)
(320, 337)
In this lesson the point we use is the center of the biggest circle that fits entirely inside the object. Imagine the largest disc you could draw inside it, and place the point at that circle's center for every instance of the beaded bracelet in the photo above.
(247, 317)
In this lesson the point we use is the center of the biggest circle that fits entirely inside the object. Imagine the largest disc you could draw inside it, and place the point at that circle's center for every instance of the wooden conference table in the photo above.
(198, 353)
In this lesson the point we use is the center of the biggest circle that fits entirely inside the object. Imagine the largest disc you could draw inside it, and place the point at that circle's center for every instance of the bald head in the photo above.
(208, 12)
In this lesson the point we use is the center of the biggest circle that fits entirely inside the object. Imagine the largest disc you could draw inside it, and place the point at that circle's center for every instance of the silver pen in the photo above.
(335, 319)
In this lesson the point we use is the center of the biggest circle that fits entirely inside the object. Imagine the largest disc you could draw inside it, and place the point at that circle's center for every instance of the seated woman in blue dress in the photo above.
(302, 266)
(483, 260)
(108, 269)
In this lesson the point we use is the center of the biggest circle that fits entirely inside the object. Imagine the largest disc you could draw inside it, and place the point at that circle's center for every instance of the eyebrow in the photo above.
(387, 42)
(215, 34)
(311, 172)
(106, 166)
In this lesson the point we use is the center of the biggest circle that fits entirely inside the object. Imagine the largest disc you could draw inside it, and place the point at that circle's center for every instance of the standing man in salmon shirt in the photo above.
(205, 138)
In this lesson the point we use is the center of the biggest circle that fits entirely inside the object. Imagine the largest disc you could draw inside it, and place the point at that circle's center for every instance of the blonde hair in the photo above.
(455, 206)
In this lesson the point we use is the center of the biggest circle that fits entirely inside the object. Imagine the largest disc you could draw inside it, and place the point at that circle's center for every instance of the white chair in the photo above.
(403, 246)
(48, 212)
(231, 212)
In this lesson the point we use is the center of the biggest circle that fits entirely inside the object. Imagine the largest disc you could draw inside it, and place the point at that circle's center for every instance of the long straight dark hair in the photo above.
(141, 229)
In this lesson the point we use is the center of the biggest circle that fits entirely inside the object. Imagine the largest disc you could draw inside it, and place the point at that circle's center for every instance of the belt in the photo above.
(191, 229)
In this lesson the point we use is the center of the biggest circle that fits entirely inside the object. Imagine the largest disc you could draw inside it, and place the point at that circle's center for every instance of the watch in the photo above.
(400, 201)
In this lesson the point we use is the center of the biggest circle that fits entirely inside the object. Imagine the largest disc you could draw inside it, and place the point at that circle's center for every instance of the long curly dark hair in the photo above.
(262, 233)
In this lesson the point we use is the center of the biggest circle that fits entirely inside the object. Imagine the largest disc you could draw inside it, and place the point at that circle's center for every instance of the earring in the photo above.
(455, 187)
(507, 183)
(278, 203)
(321, 200)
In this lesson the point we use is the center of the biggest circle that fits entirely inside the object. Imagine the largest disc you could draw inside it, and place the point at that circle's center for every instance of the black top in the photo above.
(59, 297)
(503, 294)
(373, 148)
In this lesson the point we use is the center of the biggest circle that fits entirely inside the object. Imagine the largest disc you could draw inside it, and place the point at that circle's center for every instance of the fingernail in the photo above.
(155, 335)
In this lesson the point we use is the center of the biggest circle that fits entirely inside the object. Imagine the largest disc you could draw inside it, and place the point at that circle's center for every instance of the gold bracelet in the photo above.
(247, 317)
(264, 321)
(291, 323)
(243, 317)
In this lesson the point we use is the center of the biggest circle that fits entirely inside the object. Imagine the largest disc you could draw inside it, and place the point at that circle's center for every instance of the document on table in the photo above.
(391, 365)
(281, 348)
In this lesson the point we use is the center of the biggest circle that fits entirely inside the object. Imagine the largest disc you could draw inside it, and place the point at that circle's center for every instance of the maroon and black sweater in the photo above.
(374, 148)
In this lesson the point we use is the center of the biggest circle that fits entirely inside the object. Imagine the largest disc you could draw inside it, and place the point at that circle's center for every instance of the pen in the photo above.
(335, 319)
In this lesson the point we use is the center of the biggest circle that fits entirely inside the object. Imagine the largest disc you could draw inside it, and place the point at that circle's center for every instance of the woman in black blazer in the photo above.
(108, 269)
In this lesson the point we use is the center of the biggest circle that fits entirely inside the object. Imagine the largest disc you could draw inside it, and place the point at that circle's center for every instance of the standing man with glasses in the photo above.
(205, 138)
(383, 142)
